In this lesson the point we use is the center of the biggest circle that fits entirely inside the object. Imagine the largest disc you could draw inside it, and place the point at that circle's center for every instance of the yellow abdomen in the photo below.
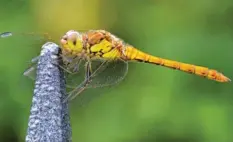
(133, 54)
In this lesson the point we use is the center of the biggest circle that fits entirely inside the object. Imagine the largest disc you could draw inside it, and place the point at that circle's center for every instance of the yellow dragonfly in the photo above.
(106, 58)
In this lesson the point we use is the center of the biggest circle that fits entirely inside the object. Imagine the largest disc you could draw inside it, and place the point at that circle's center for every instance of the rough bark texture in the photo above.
(49, 119)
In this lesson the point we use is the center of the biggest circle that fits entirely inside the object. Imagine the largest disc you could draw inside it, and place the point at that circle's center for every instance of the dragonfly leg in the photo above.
(88, 75)
(76, 66)
(63, 67)
(71, 64)
(88, 71)
(75, 92)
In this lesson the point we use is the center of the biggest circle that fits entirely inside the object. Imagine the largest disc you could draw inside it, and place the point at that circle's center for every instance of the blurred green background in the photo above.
(152, 104)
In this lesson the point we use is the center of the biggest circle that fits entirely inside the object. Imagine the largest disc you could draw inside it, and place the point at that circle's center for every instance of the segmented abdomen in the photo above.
(133, 54)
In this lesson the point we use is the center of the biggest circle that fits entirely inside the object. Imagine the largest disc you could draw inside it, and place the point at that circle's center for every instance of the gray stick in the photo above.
(49, 119)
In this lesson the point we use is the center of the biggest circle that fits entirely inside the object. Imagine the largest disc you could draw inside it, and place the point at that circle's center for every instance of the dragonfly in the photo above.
(105, 58)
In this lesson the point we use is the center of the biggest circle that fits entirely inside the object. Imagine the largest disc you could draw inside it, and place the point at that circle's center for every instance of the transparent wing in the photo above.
(28, 42)
(71, 69)
(104, 73)
(31, 71)
(110, 73)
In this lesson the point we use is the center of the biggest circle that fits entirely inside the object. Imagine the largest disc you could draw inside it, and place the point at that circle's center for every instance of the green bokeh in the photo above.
(152, 103)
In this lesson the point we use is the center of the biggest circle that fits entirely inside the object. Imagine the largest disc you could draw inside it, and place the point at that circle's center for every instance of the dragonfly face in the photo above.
(72, 41)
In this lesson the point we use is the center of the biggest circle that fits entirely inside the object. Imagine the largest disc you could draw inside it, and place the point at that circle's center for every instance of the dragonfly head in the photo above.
(72, 41)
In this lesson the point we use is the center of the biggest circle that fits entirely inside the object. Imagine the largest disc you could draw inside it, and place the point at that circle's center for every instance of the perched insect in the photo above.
(100, 45)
